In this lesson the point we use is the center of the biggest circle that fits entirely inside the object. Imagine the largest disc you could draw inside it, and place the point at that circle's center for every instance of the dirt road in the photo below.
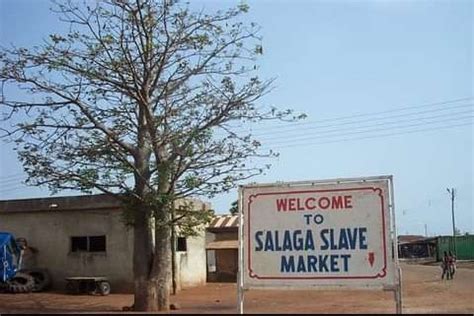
(423, 292)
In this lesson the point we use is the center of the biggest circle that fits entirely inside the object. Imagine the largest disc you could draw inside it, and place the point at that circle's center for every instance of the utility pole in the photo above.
(452, 193)
(426, 230)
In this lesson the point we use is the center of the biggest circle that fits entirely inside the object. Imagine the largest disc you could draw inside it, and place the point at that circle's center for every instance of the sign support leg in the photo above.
(240, 279)
(398, 272)
(240, 299)
(398, 292)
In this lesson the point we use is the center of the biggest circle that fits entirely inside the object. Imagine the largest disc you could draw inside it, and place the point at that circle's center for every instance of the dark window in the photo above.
(78, 244)
(181, 244)
(88, 244)
(96, 243)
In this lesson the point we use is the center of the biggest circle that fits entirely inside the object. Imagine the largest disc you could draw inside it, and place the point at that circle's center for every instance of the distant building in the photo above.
(416, 247)
(464, 248)
(85, 236)
(222, 249)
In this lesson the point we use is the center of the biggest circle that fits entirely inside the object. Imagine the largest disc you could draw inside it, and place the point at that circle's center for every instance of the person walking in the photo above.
(445, 266)
(451, 264)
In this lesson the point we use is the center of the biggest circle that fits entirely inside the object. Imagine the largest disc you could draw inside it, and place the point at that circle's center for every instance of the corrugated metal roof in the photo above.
(225, 221)
(409, 238)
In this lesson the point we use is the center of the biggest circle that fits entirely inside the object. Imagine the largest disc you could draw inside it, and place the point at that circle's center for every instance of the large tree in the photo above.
(141, 100)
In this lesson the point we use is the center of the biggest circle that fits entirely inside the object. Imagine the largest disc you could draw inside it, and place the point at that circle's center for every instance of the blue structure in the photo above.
(9, 257)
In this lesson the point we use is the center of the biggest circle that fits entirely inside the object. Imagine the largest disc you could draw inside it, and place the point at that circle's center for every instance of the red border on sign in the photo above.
(380, 274)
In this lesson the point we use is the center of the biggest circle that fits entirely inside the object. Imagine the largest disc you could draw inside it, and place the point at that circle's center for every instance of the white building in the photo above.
(85, 236)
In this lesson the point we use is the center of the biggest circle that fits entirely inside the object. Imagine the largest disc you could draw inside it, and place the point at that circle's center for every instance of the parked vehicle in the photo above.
(91, 285)
(13, 278)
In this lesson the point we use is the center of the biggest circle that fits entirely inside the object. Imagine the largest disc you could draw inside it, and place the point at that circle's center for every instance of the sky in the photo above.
(387, 87)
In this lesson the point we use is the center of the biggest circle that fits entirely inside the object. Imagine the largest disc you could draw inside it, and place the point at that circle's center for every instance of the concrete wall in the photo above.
(191, 265)
(50, 232)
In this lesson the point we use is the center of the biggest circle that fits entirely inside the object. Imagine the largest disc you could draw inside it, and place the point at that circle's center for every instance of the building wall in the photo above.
(416, 250)
(50, 231)
(464, 246)
(191, 265)
(222, 263)
(228, 235)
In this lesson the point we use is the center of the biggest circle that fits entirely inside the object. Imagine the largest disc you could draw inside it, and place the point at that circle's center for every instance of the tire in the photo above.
(3, 287)
(21, 283)
(104, 288)
(42, 279)
(71, 287)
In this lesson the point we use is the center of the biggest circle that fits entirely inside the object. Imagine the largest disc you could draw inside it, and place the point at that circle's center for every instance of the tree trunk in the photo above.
(145, 290)
(152, 254)
(173, 254)
(152, 261)
(146, 296)
(161, 271)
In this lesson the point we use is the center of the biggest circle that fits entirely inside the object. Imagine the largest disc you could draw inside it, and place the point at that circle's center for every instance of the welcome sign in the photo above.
(318, 234)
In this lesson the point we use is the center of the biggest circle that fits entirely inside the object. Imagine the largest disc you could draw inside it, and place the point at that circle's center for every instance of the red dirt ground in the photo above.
(423, 292)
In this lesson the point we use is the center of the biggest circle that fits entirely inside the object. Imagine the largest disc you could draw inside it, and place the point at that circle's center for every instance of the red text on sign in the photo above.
(312, 203)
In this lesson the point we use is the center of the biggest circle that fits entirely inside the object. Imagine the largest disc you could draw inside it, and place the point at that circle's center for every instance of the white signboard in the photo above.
(316, 234)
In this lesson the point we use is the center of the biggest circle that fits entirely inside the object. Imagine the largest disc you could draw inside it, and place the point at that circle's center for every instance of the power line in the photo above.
(336, 134)
(18, 180)
(369, 120)
(14, 175)
(366, 114)
(3, 190)
(372, 136)
(352, 128)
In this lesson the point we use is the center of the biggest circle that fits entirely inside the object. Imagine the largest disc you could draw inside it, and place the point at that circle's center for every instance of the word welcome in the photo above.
(338, 202)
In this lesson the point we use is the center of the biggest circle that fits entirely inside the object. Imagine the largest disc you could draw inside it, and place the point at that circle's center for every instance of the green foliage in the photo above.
(243, 7)
(234, 208)
(141, 100)
(190, 220)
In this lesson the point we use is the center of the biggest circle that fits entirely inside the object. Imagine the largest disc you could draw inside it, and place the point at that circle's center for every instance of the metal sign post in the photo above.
(398, 286)
(324, 234)
(240, 279)
(398, 293)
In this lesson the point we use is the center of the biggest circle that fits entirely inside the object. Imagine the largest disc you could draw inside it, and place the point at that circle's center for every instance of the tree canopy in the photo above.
(140, 99)
(137, 78)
